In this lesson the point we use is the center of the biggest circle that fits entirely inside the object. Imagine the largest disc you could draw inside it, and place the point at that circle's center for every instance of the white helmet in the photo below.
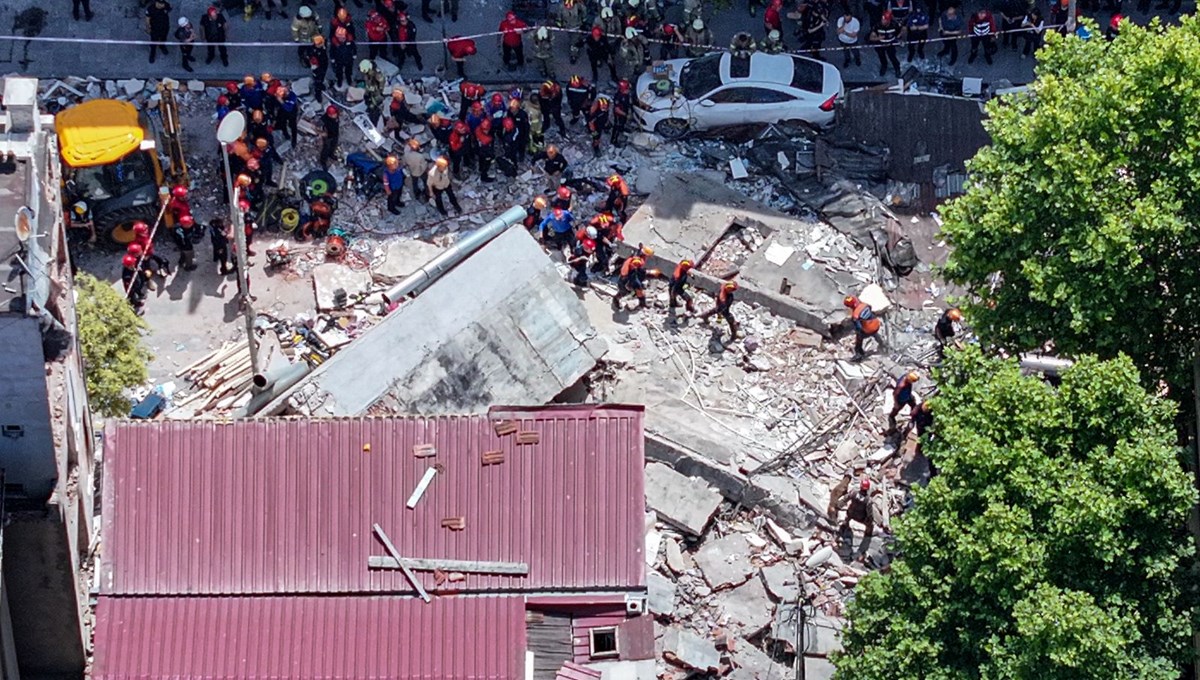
(365, 66)
(698, 25)
(606, 13)
(773, 35)
(305, 12)
(631, 33)
(543, 33)
(634, 3)
(592, 233)
(183, 22)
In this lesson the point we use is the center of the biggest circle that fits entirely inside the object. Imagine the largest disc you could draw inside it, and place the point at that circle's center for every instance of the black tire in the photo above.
(115, 229)
(671, 128)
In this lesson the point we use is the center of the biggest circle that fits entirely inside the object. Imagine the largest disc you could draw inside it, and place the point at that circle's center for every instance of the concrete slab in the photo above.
(660, 593)
(725, 562)
(685, 502)
(328, 278)
(782, 582)
(403, 257)
(747, 607)
(753, 664)
(676, 561)
(690, 651)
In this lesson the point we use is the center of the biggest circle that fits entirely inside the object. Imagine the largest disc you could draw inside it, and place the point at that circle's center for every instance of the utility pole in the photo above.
(229, 131)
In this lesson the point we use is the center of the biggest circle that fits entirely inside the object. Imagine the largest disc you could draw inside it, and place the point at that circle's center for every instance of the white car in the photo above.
(718, 89)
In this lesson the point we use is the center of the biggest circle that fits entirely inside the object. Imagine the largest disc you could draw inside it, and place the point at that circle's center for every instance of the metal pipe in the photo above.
(269, 376)
(1045, 364)
(243, 267)
(284, 381)
(443, 263)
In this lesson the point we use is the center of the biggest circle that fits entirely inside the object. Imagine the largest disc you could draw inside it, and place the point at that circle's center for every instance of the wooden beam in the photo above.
(465, 566)
(412, 578)
(421, 486)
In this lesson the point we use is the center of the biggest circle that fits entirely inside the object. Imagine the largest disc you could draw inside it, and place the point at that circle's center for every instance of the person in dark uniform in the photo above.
(884, 36)
(158, 19)
(329, 135)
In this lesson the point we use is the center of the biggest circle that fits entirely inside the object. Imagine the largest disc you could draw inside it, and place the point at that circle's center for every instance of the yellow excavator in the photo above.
(119, 164)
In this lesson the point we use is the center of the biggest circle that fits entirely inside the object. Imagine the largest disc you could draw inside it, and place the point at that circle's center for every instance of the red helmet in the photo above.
(509, 125)
(603, 103)
(558, 213)
(614, 180)
(243, 205)
(576, 80)
(564, 192)
(222, 101)
(485, 124)
(596, 32)
(231, 87)
(461, 127)
(623, 86)
(887, 15)
(865, 485)
(497, 99)
(187, 220)
(129, 261)
(141, 229)
(135, 249)
(589, 245)
(669, 29)
(510, 16)
(331, 111)
(179, 191)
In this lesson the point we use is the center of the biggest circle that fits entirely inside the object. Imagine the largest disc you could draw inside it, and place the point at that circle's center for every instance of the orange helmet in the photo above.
(539, 202)
(954, 314)
(730, 286)
(614, 180)
(318, 40)
(912, 377)
(442, 162)
(686, 264)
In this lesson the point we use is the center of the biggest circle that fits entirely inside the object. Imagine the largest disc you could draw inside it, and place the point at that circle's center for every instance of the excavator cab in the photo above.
(112, 173)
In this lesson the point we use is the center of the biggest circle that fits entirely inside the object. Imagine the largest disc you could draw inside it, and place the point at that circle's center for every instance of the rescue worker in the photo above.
(724, 307)
(406, 41)
(158, 24)
(287, 113)
(617, 201)
(866, 324)
(670, 41)
(439, 183)
(550, 98)
(510, 147)
(857, 503)
(511, 44)
(135, 282)
(476, 115)
(571, 19)
(185, 35)
(459, 145)
(393, 184)
(622, 108)
(377, 29)
(267, 157)
(252, 93)
(233, 94)
(141, 238)
(373, 84)
(460, 48)
(677, 289)
(329, 136)
(485, 148)
(558, 229)
(416, 166)
(554, 164)
(218, 236)
(884, 35)
(634, 57)
(305, 26)
(543, 52)
(563, 198)
(177, 205)
(341, 19)
(183, 240)
(520, 118)
(580, 94)
(533, 213)
(496, 108)
(945, 329)
(608, 232)
(773, 44)
(742, 45)
(922, 421)
(599, 53)
(317, 55)
(440, 128)
(342, 51)
(213, 30)
(903, 395)
(632, 279)
(597, 123)
(469, 95)
(581, 253)
(699, 39)
(608, 22)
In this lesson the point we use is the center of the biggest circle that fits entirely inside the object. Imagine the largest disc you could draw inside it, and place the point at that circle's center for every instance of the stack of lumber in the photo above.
(220, 381)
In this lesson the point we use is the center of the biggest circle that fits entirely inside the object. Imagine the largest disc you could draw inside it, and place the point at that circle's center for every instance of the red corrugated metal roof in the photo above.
(573, 671)
(350, 637)
(286, 506)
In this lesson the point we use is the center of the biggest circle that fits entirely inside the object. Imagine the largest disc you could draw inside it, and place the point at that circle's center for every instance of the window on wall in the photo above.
(603, 642)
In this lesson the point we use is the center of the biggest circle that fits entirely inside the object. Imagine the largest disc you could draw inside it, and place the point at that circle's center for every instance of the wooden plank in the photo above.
(412, 578)
(466, 566)
(421, 487)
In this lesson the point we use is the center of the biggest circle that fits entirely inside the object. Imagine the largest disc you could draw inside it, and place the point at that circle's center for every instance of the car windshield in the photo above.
(701, 76)
(105, 181)
(808, 75)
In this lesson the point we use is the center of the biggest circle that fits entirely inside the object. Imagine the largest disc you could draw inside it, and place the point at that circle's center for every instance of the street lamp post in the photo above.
(229, 131)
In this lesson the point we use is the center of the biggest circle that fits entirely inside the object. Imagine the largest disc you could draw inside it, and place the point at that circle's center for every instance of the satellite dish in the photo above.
(231, 128)
(24, 223)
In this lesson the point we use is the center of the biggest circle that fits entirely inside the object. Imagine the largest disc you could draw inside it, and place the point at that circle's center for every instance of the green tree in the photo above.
(1051, 546)
(1087, 204)
(110, 333)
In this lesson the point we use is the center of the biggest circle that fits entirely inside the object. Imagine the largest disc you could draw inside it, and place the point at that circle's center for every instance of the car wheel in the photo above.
(671, 128)
(115, 229)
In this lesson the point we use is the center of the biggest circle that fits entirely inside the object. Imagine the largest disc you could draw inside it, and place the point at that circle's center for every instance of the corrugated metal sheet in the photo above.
(202, 638)
(573, 671)
(922, 131)
(286, 506)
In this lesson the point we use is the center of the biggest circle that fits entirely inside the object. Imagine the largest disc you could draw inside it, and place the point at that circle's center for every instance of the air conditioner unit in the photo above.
(635, 605)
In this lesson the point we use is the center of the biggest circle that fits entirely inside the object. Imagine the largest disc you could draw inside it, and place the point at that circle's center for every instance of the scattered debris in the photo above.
(685, 502)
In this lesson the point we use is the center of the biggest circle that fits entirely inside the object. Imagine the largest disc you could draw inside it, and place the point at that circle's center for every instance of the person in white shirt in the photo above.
(847, 34)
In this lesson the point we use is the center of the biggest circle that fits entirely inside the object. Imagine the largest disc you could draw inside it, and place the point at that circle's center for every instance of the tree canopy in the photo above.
(1051, 546)
(1087, 204)
(110, 334)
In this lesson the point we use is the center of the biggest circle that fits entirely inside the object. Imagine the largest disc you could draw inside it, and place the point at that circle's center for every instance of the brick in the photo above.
(529, 437)
(454, 523)
(424, 450)
(492, 457)
(505, 427)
